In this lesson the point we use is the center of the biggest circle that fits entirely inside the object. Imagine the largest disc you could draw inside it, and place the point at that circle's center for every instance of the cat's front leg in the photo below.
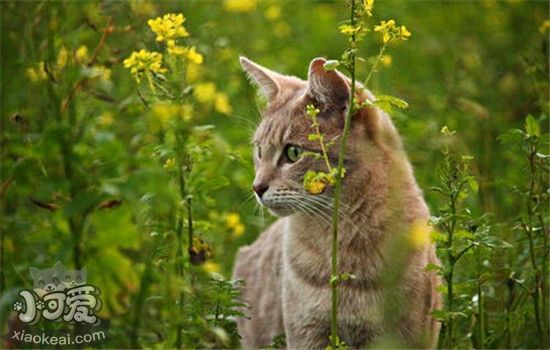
(303, 332)
(306, 312)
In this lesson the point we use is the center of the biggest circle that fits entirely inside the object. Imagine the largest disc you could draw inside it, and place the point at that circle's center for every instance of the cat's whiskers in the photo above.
(328, 205)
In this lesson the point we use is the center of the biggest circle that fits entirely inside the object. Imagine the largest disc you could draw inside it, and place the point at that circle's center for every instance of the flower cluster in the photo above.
(207, 93)
(168, 27)
(240, 5)
(233, 222)
(144, 61)
(392, 31)
(187, 52)
(368, 5)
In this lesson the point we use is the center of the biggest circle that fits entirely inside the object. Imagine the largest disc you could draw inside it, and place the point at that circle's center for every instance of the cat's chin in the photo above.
(281, 212)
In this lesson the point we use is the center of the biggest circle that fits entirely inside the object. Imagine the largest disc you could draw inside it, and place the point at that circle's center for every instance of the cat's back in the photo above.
(259, 265)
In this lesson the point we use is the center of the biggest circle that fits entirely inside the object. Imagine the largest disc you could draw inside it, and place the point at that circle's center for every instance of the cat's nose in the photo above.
(260, 188)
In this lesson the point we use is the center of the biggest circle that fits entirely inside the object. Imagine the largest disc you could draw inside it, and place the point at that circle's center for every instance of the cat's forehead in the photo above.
(283, 120)
(281, 129)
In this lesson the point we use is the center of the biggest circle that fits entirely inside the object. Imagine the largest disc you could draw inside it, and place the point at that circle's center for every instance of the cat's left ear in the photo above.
(266, 79)
(328, 87)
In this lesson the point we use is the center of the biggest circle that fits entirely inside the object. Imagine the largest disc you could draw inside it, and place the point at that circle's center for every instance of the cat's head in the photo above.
(282, 147)
(48, 280)
(73, 278)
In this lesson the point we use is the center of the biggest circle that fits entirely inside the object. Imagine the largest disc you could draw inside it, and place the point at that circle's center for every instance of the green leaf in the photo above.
(473, 184)
(331, 65)
(313, 137)
(531, 126)
(432, 267)
(392, 100)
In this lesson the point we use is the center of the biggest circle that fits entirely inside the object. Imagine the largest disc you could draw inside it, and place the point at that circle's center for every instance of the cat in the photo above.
(286, 271)
(74, 278)
(55, 279)
(48, 280)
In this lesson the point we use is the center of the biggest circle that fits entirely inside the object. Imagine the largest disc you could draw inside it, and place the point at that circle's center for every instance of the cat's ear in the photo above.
(266, 79)
(59, 267)
(328, 87)
(34, 272)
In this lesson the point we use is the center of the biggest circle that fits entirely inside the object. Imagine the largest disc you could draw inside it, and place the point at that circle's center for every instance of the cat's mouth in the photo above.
(276, 207)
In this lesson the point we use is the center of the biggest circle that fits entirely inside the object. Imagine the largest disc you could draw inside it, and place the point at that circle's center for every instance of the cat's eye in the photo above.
(293, 153)
(259, 152)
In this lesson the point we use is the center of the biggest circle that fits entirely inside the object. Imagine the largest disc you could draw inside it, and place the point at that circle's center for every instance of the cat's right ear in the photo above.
(266, 79)
(34, 272)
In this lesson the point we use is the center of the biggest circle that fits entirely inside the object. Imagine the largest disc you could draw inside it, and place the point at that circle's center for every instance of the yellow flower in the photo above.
(273, 13)
(221, 103)
(189, 53)
(386, 60)
(387, 28)
(404, 33)
(544, 26)
(175, 50)
(168, 27)
(62, 58)
(240, 5)
(170, 164)
(391, 31)
(163, 113)
(315, 186)
(368, 5)
(194, 56)
(81, 54)
(106, 119)
(211, 267)
(143, 61)
(232, 219)
(347, 29)
(205, 92)
(238, 230)
(420, 233)
(37, 74)
(193, 72)
(233, 222)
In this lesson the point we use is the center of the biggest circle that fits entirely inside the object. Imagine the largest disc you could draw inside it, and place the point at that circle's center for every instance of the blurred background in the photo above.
(88, 153)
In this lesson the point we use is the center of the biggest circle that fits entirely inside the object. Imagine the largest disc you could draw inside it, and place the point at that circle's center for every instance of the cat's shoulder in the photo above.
(267, 247)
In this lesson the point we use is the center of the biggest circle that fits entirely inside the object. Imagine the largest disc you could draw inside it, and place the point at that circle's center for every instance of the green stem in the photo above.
(452, 260)
(375, 64)
(322, 143)
(337, 190)
(481, 307)
(536, 293)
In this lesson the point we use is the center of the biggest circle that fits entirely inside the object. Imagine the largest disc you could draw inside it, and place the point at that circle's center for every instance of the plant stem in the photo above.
(451, 257)
(322, 144)
(481, 307)
(528, 228)
(337, 190)
(375, 64)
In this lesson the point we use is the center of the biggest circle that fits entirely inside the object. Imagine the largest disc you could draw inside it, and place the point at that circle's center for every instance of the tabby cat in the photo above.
(287, 269)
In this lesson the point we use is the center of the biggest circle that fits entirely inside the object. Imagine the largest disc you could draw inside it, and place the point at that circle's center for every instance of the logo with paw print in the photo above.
(59, 294)
(18, 306)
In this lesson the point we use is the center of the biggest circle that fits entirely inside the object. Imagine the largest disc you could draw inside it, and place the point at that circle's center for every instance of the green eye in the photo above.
(293, 153)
